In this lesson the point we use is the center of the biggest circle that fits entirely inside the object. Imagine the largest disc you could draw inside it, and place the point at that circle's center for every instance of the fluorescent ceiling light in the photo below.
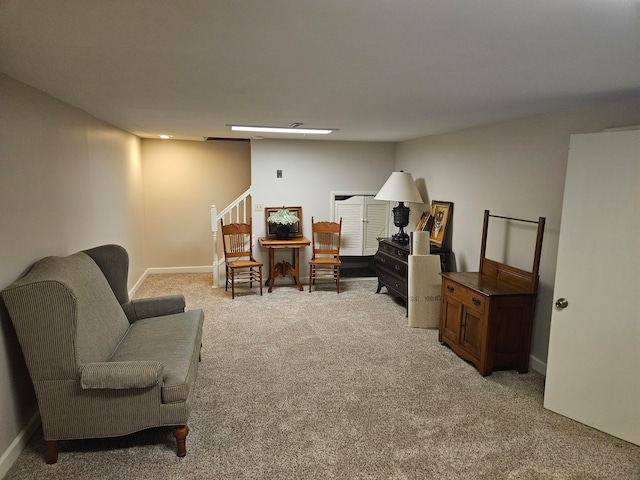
(245, 128)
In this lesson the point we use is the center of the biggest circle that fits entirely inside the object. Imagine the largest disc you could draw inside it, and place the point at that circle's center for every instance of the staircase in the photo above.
(239, 211)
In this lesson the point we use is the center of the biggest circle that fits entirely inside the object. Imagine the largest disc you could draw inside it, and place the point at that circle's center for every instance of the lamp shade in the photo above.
(400, 187)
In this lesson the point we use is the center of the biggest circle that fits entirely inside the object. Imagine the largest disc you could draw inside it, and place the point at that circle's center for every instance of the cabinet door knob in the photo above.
(475, 301)
(562, 303)
(450, 288)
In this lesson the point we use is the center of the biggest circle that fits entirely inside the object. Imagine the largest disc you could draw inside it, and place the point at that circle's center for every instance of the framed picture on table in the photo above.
(440, 213)
(296, 228)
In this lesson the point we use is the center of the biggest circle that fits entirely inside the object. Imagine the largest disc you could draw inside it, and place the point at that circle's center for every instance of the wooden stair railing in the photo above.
(238, 211)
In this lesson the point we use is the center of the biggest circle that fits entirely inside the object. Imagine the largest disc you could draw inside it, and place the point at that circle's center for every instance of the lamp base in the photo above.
(400, 237)
(401, 220)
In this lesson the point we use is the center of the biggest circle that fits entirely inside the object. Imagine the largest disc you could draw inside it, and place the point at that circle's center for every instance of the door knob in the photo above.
(562, 303)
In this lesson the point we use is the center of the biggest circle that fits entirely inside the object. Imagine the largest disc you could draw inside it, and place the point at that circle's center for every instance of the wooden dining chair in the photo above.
(240, 266)
(325, 244)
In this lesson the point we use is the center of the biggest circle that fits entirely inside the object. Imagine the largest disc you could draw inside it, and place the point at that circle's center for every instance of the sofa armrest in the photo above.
(121, 375)
(154, 307)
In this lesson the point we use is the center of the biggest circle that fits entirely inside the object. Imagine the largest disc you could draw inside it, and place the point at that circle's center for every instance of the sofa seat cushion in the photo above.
(173, 340)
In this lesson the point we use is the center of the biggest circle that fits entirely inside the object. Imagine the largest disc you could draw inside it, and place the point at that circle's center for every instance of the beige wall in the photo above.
(311, 170)
(182, 179)
(515, 169)
(68, 182)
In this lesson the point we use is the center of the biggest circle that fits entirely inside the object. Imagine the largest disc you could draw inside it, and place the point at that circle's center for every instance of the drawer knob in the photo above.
(450, 288)
(475, 301)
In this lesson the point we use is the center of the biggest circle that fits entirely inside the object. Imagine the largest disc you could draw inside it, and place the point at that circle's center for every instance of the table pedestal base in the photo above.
(284, 268)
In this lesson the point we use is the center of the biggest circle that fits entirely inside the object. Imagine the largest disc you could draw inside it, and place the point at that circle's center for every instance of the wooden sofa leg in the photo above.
(180, 433)
(51, 451)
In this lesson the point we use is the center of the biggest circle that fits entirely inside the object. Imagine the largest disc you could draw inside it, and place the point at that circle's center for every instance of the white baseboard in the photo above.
(538, 365)
(18, 445)
(149, 271)
(196, 269)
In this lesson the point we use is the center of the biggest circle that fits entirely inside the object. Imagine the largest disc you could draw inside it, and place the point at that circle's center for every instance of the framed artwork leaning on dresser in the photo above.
(440, 212)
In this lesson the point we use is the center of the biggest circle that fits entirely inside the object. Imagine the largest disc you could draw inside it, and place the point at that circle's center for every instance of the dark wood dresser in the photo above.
(486, 317)
(391, 265)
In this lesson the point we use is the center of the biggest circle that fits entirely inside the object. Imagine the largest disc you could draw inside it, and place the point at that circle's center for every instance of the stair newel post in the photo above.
(214, 231)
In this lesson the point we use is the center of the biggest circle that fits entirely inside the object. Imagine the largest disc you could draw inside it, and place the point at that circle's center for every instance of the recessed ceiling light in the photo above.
(310, 131)
(165, 137)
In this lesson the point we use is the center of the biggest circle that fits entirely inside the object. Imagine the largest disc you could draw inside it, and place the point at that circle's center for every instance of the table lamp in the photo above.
(401, 188)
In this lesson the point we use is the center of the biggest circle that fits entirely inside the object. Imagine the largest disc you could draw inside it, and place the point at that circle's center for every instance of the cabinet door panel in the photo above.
(472, 332)
(450, 319)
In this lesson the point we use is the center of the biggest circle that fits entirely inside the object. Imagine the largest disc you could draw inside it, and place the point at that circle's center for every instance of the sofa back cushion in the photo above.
(65, 310)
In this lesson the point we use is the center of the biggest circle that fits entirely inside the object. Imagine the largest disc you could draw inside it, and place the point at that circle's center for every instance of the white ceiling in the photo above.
(385, 70)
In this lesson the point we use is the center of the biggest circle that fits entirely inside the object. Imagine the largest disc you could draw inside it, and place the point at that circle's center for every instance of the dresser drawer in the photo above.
(467, 296)
(394, 265)
(397, 284)
(394, 251)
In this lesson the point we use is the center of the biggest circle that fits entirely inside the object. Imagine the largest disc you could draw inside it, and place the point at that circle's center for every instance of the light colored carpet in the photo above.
(299, 385)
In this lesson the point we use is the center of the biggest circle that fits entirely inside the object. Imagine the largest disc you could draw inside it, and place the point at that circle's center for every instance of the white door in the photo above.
(593, 367)
(364, 219)
(376, 224)
(350, 210)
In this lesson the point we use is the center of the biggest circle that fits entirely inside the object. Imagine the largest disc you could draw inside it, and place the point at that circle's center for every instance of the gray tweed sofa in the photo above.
(103, 365)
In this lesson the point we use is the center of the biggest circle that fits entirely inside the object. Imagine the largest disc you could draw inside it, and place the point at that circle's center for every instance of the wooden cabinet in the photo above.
(486, 317)
(391, 265)
(486, 322)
